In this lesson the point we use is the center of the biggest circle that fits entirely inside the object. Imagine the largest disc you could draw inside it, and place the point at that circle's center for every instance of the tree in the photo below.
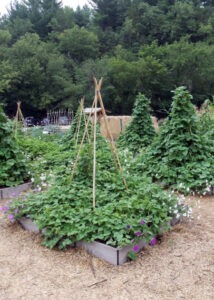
(82, 16)
(33, 15)
(78, 44)
(110, 14)
(39, 77)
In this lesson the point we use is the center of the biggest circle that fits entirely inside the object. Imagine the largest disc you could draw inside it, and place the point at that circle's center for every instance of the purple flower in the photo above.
(138, 233)
(128, 226)
(136, 248)
(153, 242)
(142, 222)
(10, 217)
(16, 211)
(4, 208)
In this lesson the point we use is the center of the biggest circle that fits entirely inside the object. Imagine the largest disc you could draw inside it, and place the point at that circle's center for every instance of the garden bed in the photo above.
(113, 255)
(10, 192)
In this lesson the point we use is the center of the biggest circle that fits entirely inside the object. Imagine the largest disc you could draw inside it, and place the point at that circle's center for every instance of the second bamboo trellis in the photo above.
(98, 100)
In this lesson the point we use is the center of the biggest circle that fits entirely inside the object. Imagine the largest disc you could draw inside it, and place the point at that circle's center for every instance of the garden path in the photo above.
(180, 267)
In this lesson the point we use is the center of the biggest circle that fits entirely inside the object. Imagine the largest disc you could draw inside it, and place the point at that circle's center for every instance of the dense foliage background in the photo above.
(49, 53)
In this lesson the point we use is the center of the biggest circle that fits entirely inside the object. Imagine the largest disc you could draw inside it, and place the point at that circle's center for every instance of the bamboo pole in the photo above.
(83, 138)
(94, 152)
(79, 122)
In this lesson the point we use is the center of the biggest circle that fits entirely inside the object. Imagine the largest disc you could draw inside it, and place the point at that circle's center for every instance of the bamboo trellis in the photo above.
(81, 115)
(19, 118)
(98, 100)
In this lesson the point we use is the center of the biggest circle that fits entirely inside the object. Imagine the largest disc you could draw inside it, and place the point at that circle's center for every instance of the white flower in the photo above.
(42, 177)
(32, 179)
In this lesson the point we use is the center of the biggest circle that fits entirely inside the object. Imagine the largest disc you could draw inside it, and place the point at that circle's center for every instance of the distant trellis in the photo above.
(55, 116)
(19, 121)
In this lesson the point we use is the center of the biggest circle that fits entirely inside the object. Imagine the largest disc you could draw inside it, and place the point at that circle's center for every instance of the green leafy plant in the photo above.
(12, 161)
(140, 132)
(75, 134)
(121, 216)
(207, 120)
(181, 156)
(44, 157)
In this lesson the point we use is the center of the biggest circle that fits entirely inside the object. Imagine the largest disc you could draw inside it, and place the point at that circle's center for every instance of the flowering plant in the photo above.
(121, 216)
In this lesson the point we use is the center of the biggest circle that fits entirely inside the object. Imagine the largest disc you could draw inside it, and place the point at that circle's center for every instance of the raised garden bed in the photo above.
(10, 192)
(115, 256)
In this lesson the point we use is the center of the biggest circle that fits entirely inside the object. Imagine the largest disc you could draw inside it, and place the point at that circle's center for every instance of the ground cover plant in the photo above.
(140, 132)
(122, 216)
(12, 161)
(181, 157)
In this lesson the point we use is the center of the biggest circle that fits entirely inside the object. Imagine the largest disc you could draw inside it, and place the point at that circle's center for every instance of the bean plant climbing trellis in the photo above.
(98, 101)
(19, 119)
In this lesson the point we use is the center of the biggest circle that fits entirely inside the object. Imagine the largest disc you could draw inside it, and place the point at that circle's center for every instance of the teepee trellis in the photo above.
(80, 117)
(19, 117)
(97, 100)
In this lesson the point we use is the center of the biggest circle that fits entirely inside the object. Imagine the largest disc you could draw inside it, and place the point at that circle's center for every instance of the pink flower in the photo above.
(153, 242)
(16, 211)
(138, 233)
(11, 217)
(142, 222)
(136, 248)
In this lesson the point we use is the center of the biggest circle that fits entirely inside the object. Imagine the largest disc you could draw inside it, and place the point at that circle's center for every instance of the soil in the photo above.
(181, 266)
